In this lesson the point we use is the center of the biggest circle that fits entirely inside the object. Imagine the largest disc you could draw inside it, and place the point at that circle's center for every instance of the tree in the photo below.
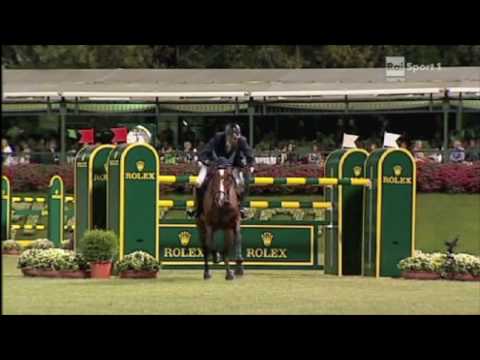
(231, 56)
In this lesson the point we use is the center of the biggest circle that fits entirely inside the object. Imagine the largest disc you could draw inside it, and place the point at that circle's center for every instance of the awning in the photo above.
(178, 108)
(356, 106)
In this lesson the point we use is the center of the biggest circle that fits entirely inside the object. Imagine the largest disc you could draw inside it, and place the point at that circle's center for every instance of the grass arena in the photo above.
(337, 270)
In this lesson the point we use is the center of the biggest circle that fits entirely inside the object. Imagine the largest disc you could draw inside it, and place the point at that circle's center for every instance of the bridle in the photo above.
(221, 195)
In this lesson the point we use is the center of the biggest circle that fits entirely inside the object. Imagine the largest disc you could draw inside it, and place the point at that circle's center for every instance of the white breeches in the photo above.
(201, 175)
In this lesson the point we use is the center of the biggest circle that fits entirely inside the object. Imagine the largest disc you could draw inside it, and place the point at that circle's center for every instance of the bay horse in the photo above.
(221, 211)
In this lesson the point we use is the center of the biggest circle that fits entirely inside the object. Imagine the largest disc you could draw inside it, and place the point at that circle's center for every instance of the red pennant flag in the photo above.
(120, 135)
(87, 136)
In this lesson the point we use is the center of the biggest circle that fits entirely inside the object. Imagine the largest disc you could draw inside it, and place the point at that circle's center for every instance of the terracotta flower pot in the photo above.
(48, 273)
(466, 277)
(30, 272)
(11, 252)
(420, 275)
(79, 274)
(132, 274)
(101, 269)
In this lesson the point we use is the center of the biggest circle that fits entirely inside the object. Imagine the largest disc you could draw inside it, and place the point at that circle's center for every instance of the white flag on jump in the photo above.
(349, 141)
(132, 137)
(139, 134)
(390, 140)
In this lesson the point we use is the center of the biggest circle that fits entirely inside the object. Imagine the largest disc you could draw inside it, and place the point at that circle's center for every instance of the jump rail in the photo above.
(185, 179)
(259, 204)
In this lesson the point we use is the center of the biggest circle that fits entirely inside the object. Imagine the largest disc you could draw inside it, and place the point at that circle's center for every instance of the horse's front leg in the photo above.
(206, 238)
(227, 247)
(238, 251)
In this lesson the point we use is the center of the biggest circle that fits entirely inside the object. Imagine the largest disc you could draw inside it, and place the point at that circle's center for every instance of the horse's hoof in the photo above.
(229, 276)
(207, 275)
(239, 272)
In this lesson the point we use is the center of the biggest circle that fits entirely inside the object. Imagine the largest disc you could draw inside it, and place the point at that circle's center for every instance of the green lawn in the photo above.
(259, 292)
(441, 217)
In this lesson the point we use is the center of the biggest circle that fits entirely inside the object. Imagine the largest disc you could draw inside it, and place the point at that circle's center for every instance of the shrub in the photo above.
(11, 245)
(40, 244)
(98, 245)
(138, 261)
(29, 258)
(52, 259)
(69, 261)
(466, 264)
(36, 177)
(431, 177)
(437, 262)
(423, 262)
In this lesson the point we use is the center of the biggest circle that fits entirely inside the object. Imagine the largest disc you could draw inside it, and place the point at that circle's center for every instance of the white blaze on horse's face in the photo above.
(221, 198)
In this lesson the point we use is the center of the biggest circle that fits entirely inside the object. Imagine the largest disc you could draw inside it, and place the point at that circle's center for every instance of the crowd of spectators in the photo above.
(46, 151)
(30, 150)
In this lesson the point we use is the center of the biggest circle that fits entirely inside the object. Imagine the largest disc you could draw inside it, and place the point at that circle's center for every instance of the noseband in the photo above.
(220, 192)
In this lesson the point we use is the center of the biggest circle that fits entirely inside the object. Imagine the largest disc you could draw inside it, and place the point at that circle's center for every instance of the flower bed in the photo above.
(431, 177)
(449, 178)
(138, 265)
(435, 266)
(42, 244)
(11, 247)
(36, 177)
(53, 263)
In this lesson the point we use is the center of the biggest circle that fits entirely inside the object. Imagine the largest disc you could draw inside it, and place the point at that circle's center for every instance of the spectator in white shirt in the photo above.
(6, 153)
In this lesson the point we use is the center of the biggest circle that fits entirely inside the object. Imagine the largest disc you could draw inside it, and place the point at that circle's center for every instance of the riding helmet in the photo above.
(233, 129)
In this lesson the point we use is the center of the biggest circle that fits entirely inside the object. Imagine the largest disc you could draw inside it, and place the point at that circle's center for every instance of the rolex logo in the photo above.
(357, 171)
(140, 165)
(397, 170)
(267, 238)
(185, 238)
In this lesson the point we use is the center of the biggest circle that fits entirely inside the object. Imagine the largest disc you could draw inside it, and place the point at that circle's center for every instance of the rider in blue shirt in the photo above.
(229, 144)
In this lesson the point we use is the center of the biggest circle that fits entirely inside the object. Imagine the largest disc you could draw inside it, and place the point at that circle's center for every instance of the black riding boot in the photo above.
(198, 203)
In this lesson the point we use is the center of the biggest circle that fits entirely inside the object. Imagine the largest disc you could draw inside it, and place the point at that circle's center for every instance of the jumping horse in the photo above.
(221, 211)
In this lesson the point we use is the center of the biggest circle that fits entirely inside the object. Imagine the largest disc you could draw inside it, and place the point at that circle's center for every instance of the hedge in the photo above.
(431, 177)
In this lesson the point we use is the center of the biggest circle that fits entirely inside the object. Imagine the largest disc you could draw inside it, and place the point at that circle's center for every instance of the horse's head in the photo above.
(223, 185)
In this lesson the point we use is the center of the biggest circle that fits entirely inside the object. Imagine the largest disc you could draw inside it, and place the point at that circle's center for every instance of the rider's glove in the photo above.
(252, 169)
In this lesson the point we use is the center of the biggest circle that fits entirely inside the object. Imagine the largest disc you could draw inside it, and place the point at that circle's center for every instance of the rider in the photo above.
(229, 144)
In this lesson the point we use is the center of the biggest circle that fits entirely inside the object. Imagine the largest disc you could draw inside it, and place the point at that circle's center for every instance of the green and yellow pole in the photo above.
(55, 210)
(6, 208)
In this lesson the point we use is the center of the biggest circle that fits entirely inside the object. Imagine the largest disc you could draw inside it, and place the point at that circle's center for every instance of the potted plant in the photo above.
(11, 247)
(138, 264)
(43, 244)
(26, 262)
(466, 267)
(71, 265)
(422, 266)
(98, 247)
(38, 262)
